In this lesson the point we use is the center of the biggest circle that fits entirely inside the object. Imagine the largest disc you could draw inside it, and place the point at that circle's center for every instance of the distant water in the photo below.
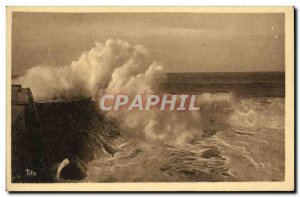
(254, 84)
(242, 118)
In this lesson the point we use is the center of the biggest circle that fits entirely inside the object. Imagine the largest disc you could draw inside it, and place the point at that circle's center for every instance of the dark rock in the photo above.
(211, 153)
(76, 170)
(27, 151)
(44, 133)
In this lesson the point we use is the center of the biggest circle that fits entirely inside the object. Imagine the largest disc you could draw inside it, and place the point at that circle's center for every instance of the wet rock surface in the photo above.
(211, 153)
(75, 170)
(75, 127)
(53, 130)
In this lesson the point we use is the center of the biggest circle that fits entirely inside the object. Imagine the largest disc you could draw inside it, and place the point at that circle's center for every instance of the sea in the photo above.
(242, 135)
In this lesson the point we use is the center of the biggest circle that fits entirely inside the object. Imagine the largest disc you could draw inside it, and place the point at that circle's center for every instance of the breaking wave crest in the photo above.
(245, 112)
(267, 112)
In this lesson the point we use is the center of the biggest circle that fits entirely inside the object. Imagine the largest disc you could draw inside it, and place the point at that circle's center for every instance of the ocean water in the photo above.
(253, 84)
(242, 135)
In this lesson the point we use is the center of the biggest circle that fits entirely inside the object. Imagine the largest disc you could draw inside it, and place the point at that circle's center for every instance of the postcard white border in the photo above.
(286, 185)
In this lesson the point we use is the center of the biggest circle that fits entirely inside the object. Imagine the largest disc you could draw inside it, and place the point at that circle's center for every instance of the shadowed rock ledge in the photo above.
(48, 132)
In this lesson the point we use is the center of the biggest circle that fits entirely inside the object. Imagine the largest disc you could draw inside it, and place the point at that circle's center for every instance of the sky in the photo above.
(182, 42)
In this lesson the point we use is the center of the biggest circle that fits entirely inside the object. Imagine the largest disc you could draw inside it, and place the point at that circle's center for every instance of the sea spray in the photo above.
(113, 68)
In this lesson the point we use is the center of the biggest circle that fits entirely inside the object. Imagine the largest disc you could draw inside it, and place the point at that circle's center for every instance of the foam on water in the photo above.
(247, 144)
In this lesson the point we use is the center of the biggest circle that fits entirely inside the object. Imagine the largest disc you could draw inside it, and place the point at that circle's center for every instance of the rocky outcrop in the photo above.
(72, 129)
(27, 153)
(75, 128)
